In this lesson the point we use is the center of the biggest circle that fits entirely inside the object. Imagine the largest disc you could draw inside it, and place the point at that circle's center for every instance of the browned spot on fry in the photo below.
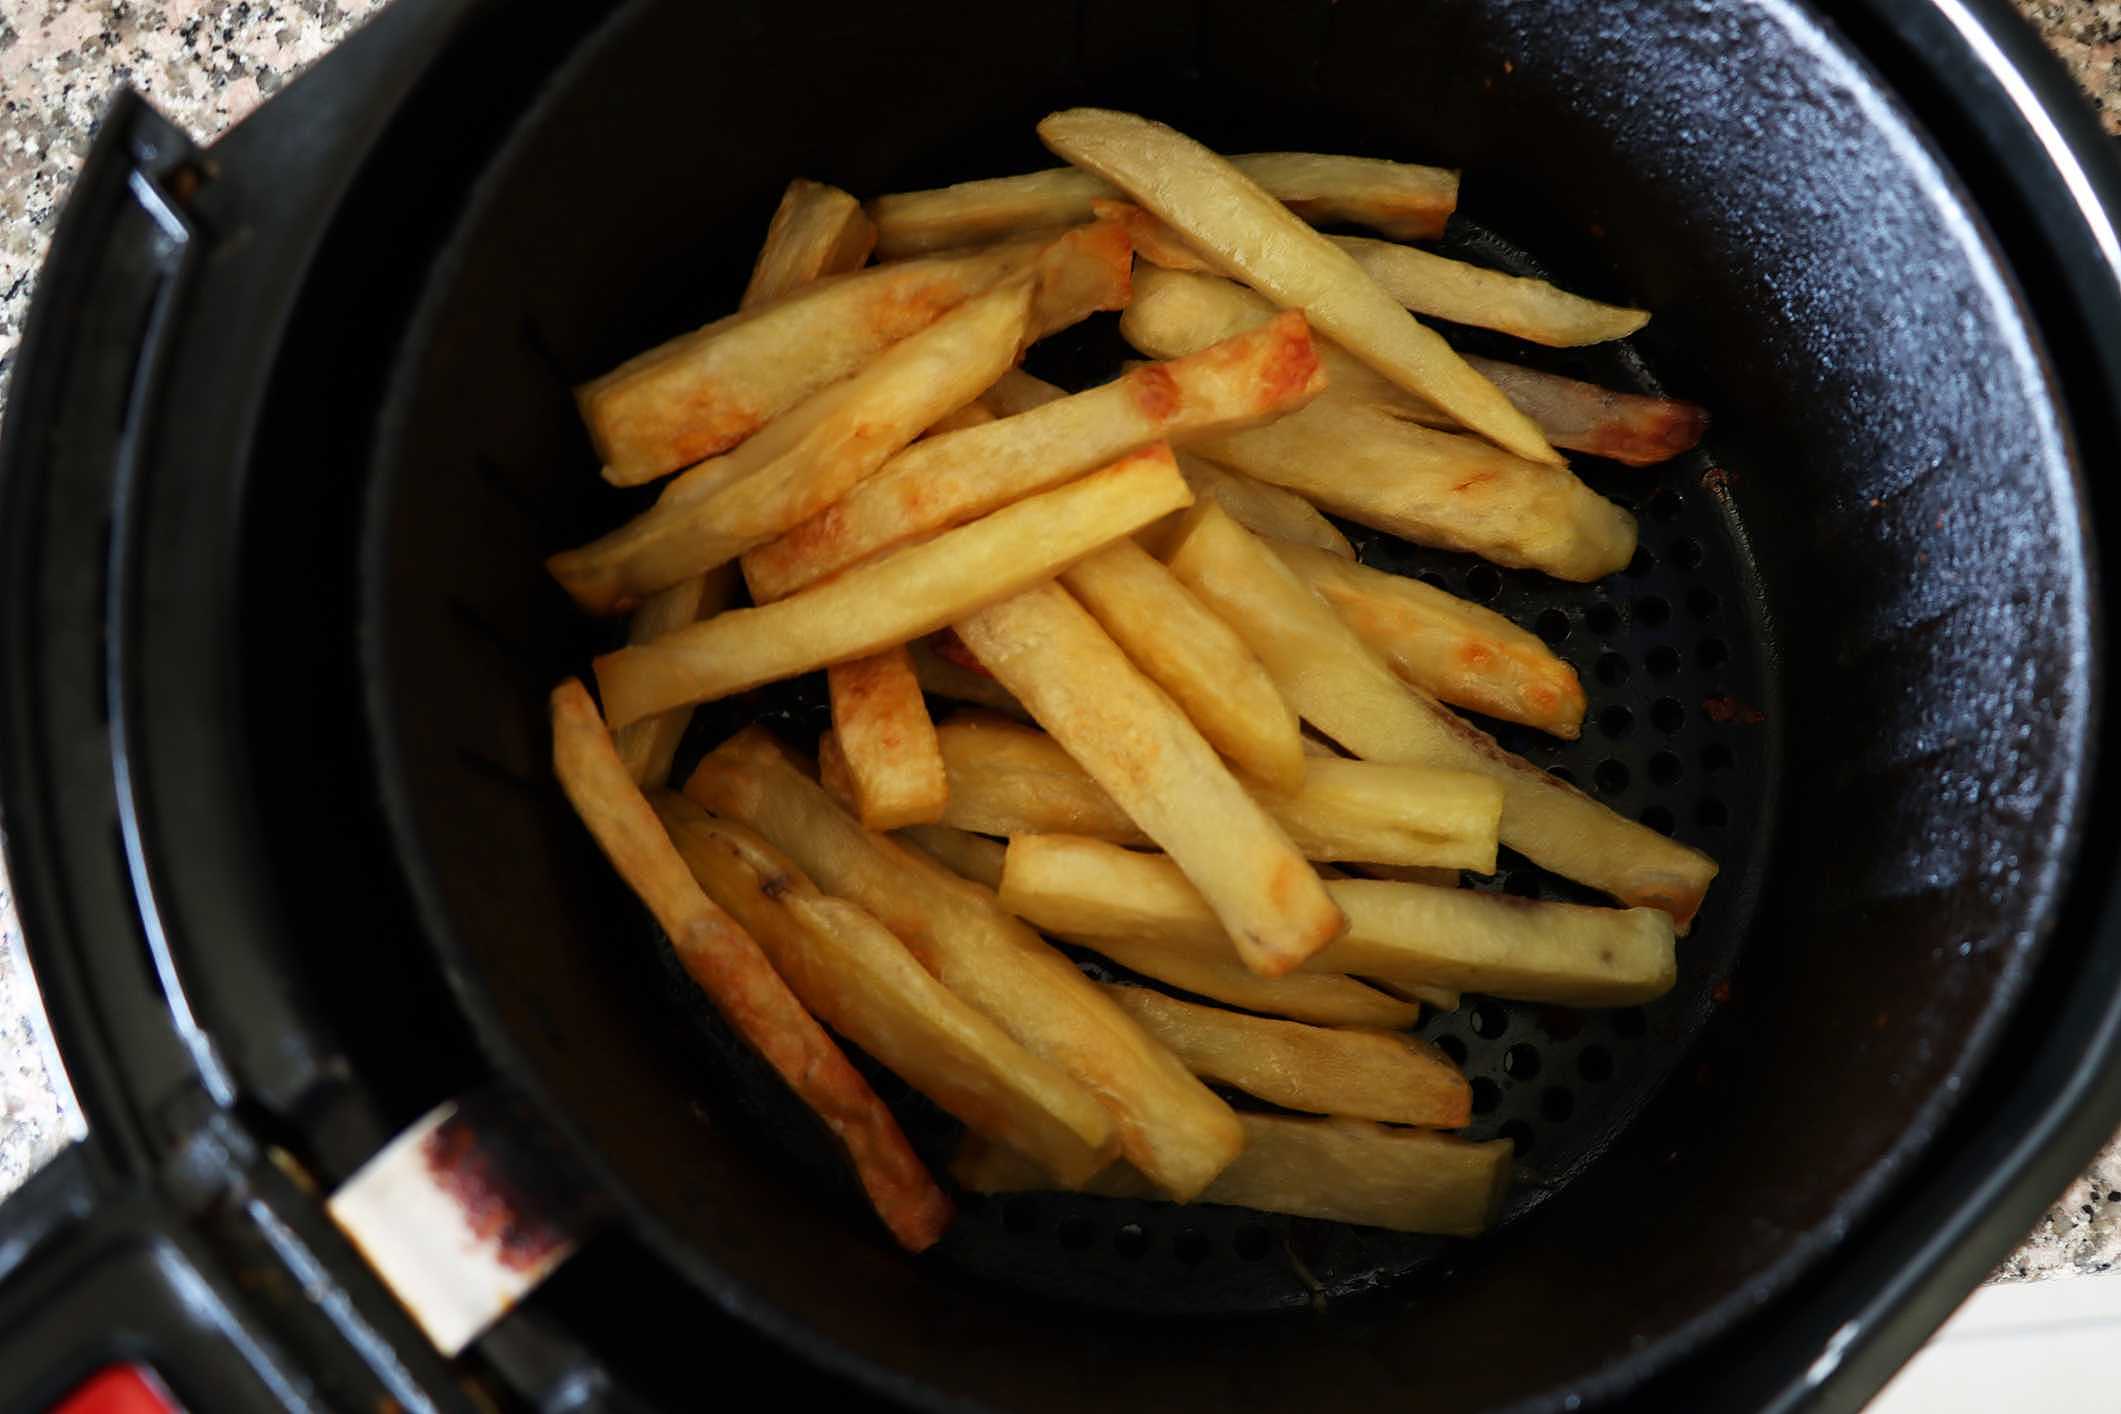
(1155, 392)
(1476, 479)
(1293, 366)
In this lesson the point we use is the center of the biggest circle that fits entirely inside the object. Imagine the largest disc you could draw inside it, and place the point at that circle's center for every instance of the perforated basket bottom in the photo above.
(1674, 658)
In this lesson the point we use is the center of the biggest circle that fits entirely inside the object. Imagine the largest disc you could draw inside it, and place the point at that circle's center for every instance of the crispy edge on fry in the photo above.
(1567, 954)
(1533, 310)
(650, 745)
(1343, 689)
(883, 734)
(1341, 1170)
(1246, 232)
(946, 481)
(1398, 199)
(817, 230)
(728, 965)
(1131, 738)
(1195, 657)
(859, 979)
(1321, 998)
(1317, 1069)
(1170, 1125)
(1460, 651)
(910, 592)
(853, 429)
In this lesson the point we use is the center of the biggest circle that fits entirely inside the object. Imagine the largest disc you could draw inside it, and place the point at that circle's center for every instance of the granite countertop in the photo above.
(206, 63)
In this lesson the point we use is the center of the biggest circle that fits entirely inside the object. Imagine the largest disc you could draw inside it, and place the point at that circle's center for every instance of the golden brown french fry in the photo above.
(946, 481)
(728, 966)
(857, 978)
(945, 676)
(1406, 202)
(1170, 1125)
(963, 853)
(817, 230)
(1249, 234)
(1197, 658)
(970, 415)
(1342, 1170)
(1425, 283)
(1445, 645)
(881, 728)
(1018, 392)
(1317, 1069)
(1565, 953)
(1435, 488)
(1347, 692)
(912, 591)
(1263, 509)
(649, 745)
(1133, 741)
(1318, 997)
(1532, 310)
(706, 391)
(1173, 314)
(867, 419)
(1007, 779)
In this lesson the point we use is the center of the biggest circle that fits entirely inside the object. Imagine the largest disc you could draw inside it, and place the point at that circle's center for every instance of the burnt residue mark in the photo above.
(516, 1195)
(1727, 711)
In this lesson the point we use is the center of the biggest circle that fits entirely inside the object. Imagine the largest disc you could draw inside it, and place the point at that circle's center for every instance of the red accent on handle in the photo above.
(119, 1389)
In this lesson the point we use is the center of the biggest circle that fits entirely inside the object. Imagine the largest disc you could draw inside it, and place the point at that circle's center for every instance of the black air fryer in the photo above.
(290, 434)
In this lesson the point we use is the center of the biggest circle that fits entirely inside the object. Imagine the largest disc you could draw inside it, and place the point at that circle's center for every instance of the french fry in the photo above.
(1317, 997)
(865, 420)
(1436, 488)
(970, 415)
(946, 481)
(1425, 283)
(881, 729)
(1006, 779)
(706, 391)
(1341, 1170)
(1346, 691)
(817, 230)
(1532, 310)
(1174, 314)
(1018, 392)
(945, 676)
(1564, 953)
(1197, 658)
(1263, 509)
(1316, 1069)
(1247, 233)
(1449, 647)
(1406, 202)
(913, 591)
(728, 966)
(1049, 651)
(1170, 1126)
(963, 853)
(651, 744)
(857, 978)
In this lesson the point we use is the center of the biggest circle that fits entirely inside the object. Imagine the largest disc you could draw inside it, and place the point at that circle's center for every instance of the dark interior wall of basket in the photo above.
(1801, 672)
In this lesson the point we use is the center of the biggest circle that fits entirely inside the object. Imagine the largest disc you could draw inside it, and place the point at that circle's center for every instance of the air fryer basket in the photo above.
(1852, 660)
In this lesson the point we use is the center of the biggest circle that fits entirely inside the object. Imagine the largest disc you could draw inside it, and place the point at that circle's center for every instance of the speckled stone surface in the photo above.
(206, 63)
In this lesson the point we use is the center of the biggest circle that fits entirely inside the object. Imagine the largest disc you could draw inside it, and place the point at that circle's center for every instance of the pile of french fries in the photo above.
(1182, 727)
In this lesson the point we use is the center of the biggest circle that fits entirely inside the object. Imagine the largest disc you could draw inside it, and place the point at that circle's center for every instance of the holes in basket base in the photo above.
(1667, 715)
(1666, 505)
(1486, 1095)
(1489, 1020)
(1076, 1233)
(1712, 653)
(1702, 602)
(1662, 661)
(1612, 669)
(1454, 1047)
(1666, 769)
(1483, 582)
(1252, 1242)
(1131, 1242)
(1612, 776)
(1434, 580)
(1686, 554)
(1652, 611)
(1616, 721)
(1553, 625)
(1601, 619)
(1521, 1062)
(1660, 819)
